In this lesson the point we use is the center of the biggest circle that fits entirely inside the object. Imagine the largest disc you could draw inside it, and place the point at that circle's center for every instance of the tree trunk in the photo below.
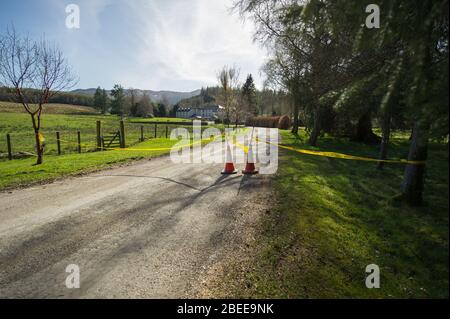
(316, 128)
(295, 122)
(39, 149)
(364, 133)
(39, 146)
(412, 185)
(414, 176)
(386, 132)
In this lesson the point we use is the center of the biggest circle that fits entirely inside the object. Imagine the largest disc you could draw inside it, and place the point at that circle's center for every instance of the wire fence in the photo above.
(66, 141)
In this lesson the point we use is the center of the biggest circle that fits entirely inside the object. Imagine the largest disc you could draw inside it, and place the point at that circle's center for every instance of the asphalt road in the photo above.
(146, 230)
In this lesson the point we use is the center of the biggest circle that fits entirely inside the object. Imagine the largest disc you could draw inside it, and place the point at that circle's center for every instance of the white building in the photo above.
(210, 112)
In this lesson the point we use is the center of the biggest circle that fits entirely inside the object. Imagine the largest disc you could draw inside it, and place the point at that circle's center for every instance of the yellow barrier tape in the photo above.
(143, 149)
(243, 147)
(158, 148)
(345, 156)
(167, 148)
(41, 138)
(148, 149)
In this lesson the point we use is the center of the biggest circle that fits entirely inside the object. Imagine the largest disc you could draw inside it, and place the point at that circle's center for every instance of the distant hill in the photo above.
(205, 97)
(172, 97)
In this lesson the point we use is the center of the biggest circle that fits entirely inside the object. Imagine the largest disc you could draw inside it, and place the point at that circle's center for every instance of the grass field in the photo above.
(68, 119)
(18, 125)
(334, 217)
(22, 172)
(51, 108)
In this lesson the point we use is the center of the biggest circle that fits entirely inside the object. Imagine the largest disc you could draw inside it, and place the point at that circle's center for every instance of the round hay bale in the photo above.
(284, 123)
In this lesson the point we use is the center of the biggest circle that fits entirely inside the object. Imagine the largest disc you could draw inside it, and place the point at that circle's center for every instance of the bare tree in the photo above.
(228, 79)
(288, 74)
(144, 106)
(132, 96)
(35, 71)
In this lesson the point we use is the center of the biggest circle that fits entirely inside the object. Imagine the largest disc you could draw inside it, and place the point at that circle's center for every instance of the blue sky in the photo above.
(149, 44)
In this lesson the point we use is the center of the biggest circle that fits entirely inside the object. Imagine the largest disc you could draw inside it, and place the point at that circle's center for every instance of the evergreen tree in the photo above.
(97, 98)
(173, 111)
(118, 102)
(104, 101)
(162, 110)
(249, 95)
(100, 100)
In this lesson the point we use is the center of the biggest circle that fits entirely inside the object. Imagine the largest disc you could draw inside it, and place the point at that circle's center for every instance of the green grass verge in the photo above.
(334, 217)
(22, 172)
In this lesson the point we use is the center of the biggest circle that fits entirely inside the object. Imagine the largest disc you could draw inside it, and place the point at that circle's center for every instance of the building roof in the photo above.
(206, 107)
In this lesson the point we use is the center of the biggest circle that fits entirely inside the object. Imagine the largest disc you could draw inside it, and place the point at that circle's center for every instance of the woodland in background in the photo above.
(7, 94)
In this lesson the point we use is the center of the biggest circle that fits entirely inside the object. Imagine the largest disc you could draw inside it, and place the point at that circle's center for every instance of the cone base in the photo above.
(228, 172)
(249, 169)
(250, 172)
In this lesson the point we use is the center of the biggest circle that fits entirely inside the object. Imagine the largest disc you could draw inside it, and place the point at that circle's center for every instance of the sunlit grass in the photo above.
(333, 217)
(19, 126)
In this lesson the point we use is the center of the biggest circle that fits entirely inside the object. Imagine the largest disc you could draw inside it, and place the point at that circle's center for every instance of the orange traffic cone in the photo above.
(250, 164)
(229, 165)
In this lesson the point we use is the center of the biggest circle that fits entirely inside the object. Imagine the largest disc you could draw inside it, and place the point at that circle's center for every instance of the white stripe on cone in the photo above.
(229, 158)
(250, 156)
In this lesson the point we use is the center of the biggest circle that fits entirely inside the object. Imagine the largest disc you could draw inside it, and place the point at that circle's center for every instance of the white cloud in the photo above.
(157, 44)
(184, 43)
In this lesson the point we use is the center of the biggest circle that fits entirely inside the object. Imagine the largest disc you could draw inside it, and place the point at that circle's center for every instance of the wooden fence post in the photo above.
(79, 141)
(155, 129)
(58, 143)
(122, 134)
(167, 131)
(142, 133)
(8, 141)
(99, 138)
